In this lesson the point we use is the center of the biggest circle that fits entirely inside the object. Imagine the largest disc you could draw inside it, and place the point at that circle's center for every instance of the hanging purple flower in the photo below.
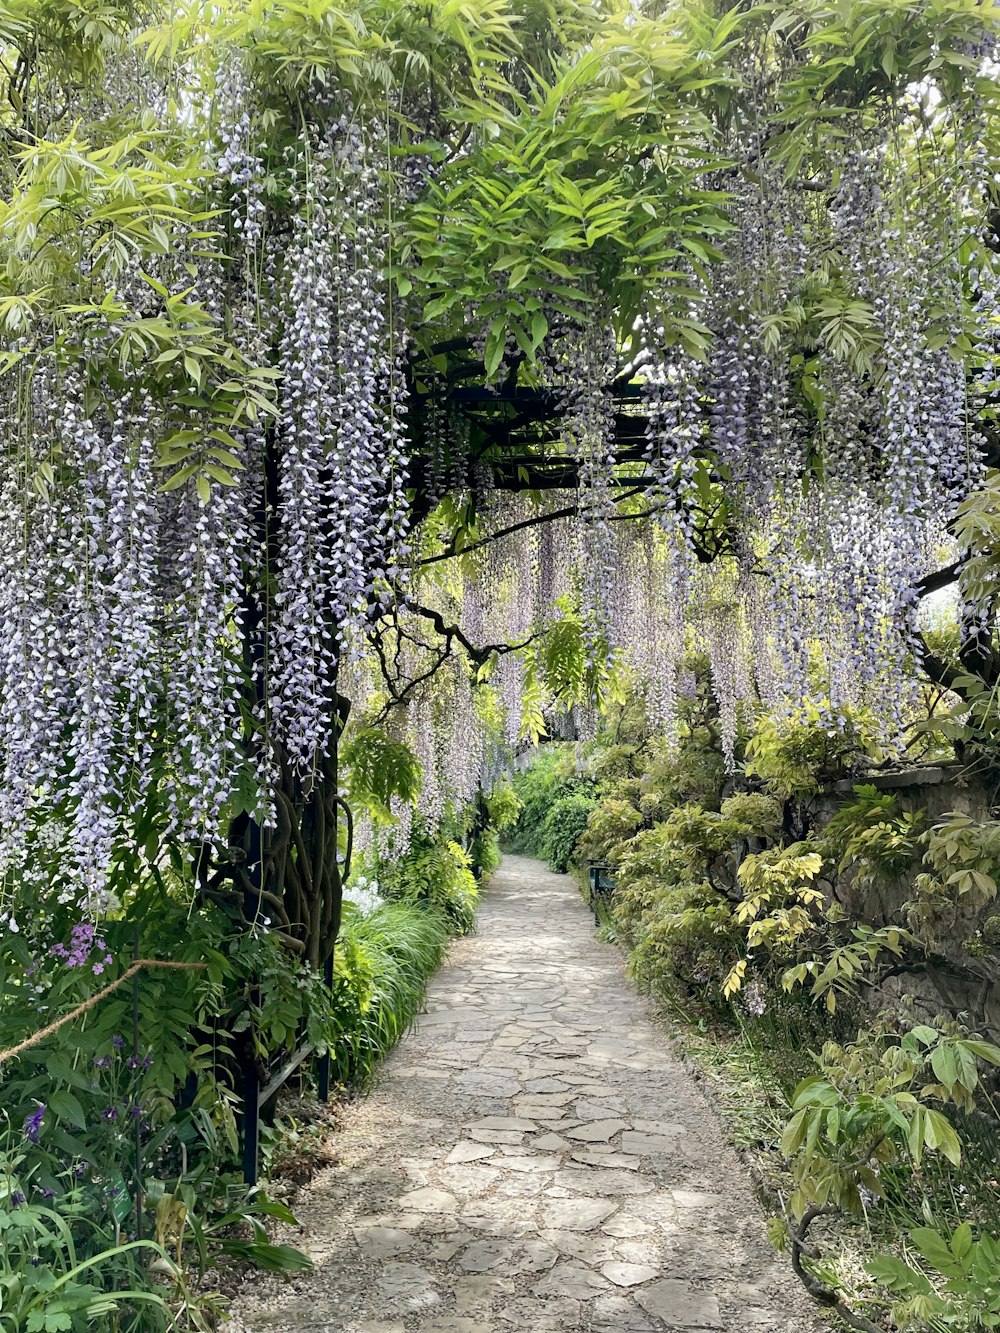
(33, 1124)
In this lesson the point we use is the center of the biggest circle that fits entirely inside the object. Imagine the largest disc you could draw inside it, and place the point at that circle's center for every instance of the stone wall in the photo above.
(952, 981)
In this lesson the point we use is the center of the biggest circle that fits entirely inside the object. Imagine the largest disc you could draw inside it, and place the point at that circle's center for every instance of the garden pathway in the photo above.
(534, 1157)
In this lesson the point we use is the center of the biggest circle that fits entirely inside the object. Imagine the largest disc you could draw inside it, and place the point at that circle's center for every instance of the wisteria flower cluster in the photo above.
(84, 944)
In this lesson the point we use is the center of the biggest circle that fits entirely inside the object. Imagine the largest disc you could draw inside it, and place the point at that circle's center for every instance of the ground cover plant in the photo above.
(384, 390)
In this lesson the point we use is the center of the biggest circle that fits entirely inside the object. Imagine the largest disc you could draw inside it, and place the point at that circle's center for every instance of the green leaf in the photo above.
(945, 1067)
(495, 342)
(68, 1107)
(983, 1050)
(961, 1241)
(927, 1036)
(271, 1258)
(940, 1135)
(934, 1248)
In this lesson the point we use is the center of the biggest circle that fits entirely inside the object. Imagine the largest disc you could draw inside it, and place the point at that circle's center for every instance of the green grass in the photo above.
(403, 945)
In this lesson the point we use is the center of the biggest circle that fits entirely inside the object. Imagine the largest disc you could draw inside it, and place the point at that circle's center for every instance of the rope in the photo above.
(36, 1038)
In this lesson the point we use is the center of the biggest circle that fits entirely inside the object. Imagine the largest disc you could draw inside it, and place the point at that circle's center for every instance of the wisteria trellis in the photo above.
(200, 559)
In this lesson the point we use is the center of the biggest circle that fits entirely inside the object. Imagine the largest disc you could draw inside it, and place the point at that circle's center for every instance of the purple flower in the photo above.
(110, 1113)
(81, 942)
(80, 1170)
(118, 1042)
(33, 1124)
(102, 1062)
(135, 1111)
(17, 1198)
(48, 1194)
(753, 998)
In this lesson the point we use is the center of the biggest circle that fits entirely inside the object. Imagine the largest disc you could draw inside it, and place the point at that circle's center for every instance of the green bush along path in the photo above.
(533, 1157)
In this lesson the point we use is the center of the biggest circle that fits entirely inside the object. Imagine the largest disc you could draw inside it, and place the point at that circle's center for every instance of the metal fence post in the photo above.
(324, 1062)
(137, 1179)
(251, 1115)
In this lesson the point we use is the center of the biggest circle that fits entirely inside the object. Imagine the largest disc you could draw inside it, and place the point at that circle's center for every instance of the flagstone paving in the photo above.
(534, 1157)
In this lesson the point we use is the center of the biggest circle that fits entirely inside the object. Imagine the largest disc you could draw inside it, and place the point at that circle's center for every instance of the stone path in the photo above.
(533, 1158)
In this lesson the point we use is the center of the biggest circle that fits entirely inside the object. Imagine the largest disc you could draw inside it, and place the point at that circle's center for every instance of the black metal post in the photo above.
(251, 1115)
(137, 1178)
(324, 1063)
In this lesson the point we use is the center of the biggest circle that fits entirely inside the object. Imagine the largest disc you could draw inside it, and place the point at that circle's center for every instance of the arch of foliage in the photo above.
(378, 382)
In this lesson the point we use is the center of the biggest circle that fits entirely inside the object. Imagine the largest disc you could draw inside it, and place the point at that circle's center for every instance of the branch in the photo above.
(941, 578)
(820, 1293)
(480, 654)
(939, 672)
(449, 633)
(349, 849)
(567, 511)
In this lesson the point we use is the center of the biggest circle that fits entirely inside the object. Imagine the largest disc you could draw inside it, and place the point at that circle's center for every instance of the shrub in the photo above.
(647, 868)
(539, 787)
(873, 836)
(610, 826)
(794, 756)
(614, 762)
(699, 835)
(687, 936)
(695, 772)
(504, 806)
(564, 826)
(959, 876)
(437, 873)
(753, 814)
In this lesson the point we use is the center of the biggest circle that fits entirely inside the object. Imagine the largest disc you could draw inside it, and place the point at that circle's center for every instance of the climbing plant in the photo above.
(383, 387)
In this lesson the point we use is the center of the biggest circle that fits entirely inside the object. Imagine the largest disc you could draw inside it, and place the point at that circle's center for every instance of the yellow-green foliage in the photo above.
(648, 867)
(666, 903)
(753, 813)
(610, 826)
(695, 772)
(614, 762)
(959, 877)
(687, 934)
(780, 902)
(504, 806)
(377, 769)
(700, 835)
(873, 835)
(794, 756)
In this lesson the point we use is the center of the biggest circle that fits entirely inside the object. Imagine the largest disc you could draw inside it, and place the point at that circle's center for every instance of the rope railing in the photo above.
(38, 1037)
